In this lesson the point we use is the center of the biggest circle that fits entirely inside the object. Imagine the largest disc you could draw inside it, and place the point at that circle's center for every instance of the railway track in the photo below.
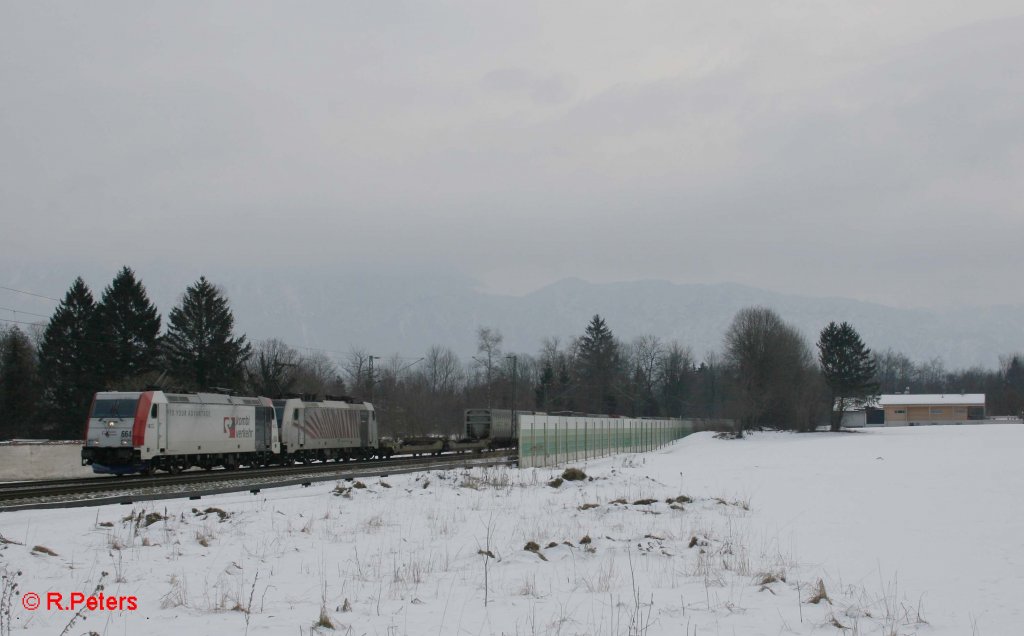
(96, 491)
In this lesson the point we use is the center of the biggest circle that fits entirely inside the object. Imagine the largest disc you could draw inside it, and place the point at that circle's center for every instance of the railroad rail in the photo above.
(93, 491)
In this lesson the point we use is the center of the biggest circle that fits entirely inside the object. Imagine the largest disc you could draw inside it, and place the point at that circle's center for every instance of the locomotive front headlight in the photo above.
(111, 424)
(124, 442)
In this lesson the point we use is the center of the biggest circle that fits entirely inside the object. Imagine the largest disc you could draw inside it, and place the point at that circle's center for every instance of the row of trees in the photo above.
(766, 374)
(114, 344)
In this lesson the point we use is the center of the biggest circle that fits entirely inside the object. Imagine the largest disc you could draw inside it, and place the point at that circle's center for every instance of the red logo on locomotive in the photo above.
(230, 427)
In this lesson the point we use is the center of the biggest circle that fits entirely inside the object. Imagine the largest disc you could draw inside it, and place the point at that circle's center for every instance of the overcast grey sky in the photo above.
(868, 149)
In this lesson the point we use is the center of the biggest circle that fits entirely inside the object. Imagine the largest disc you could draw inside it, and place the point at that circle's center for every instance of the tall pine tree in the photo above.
(200, 349)
(848, 367)
(598, 368)
(129, 329)
(19, 384)
(68, 360)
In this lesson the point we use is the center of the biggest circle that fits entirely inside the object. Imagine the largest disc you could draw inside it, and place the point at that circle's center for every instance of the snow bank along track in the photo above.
(92, 491)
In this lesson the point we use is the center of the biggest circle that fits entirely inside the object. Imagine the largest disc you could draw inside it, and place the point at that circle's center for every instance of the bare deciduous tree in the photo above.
(769, 361)
(488, 346)
(318, 375)
(357, 371)
(273, 368)
(442, 370)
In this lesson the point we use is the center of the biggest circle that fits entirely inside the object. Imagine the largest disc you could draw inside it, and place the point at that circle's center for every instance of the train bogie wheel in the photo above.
(174, 469)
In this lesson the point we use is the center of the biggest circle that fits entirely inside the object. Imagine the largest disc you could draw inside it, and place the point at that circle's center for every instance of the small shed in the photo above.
(903, 409)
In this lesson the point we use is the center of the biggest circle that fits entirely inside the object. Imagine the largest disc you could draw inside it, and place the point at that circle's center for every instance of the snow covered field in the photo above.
(911, 531)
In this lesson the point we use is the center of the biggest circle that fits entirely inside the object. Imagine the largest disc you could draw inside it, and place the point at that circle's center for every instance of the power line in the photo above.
(21, 322)
(18, 311)
(28, 293)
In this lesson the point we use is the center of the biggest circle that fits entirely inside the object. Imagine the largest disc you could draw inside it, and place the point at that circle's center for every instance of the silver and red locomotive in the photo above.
(142, 432)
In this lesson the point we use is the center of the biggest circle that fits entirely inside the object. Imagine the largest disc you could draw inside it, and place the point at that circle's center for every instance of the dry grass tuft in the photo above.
(359, 485)
(820, 594)
(767, 578)
(556, 482)
(586, 540)
(573, 474)
(42, 549)
(203, 538)
(588, 506)
(644, 502)
(532, 546)
(324, 621)
(221, 515)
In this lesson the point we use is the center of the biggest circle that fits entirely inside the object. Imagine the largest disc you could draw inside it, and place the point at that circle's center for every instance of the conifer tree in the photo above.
(19, 384)
(200, 349)
(129, 329)
(68, 360)
(848, 367)
(542, 390)
(598, 365)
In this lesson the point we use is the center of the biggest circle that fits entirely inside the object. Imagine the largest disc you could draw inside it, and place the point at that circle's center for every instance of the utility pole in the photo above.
(515, 364)
(371, 382)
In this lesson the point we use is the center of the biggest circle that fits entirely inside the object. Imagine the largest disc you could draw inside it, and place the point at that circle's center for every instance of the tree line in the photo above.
(765, 375)
(47, 382)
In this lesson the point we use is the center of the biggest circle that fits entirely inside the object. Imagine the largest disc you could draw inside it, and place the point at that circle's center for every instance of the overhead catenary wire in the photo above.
(18, 311)
(23, 322)
(28, 293)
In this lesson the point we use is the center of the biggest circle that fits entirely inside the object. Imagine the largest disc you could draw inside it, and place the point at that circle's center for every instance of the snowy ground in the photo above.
(911, 531)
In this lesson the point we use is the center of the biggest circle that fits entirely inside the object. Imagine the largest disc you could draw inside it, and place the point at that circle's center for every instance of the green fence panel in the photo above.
(546, 440)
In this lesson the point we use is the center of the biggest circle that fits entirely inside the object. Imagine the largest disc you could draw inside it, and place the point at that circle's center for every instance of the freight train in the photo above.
(149, 431)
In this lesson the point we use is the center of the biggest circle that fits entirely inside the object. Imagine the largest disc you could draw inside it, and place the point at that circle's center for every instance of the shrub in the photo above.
(573, 474)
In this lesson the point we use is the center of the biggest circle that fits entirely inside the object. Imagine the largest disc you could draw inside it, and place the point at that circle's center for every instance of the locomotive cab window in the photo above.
(115, 408)
(152, 412)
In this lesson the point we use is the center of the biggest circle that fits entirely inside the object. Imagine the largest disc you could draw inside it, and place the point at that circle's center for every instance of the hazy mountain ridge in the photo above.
(386, 314)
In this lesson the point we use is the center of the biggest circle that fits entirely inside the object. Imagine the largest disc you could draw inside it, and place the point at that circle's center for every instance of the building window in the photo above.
(935, 411)
(900, 411)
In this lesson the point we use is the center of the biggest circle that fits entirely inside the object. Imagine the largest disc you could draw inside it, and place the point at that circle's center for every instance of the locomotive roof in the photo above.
(210, 398)
(338, 404)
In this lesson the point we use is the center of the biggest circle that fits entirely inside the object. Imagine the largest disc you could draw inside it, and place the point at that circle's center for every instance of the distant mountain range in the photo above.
(405, 314)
